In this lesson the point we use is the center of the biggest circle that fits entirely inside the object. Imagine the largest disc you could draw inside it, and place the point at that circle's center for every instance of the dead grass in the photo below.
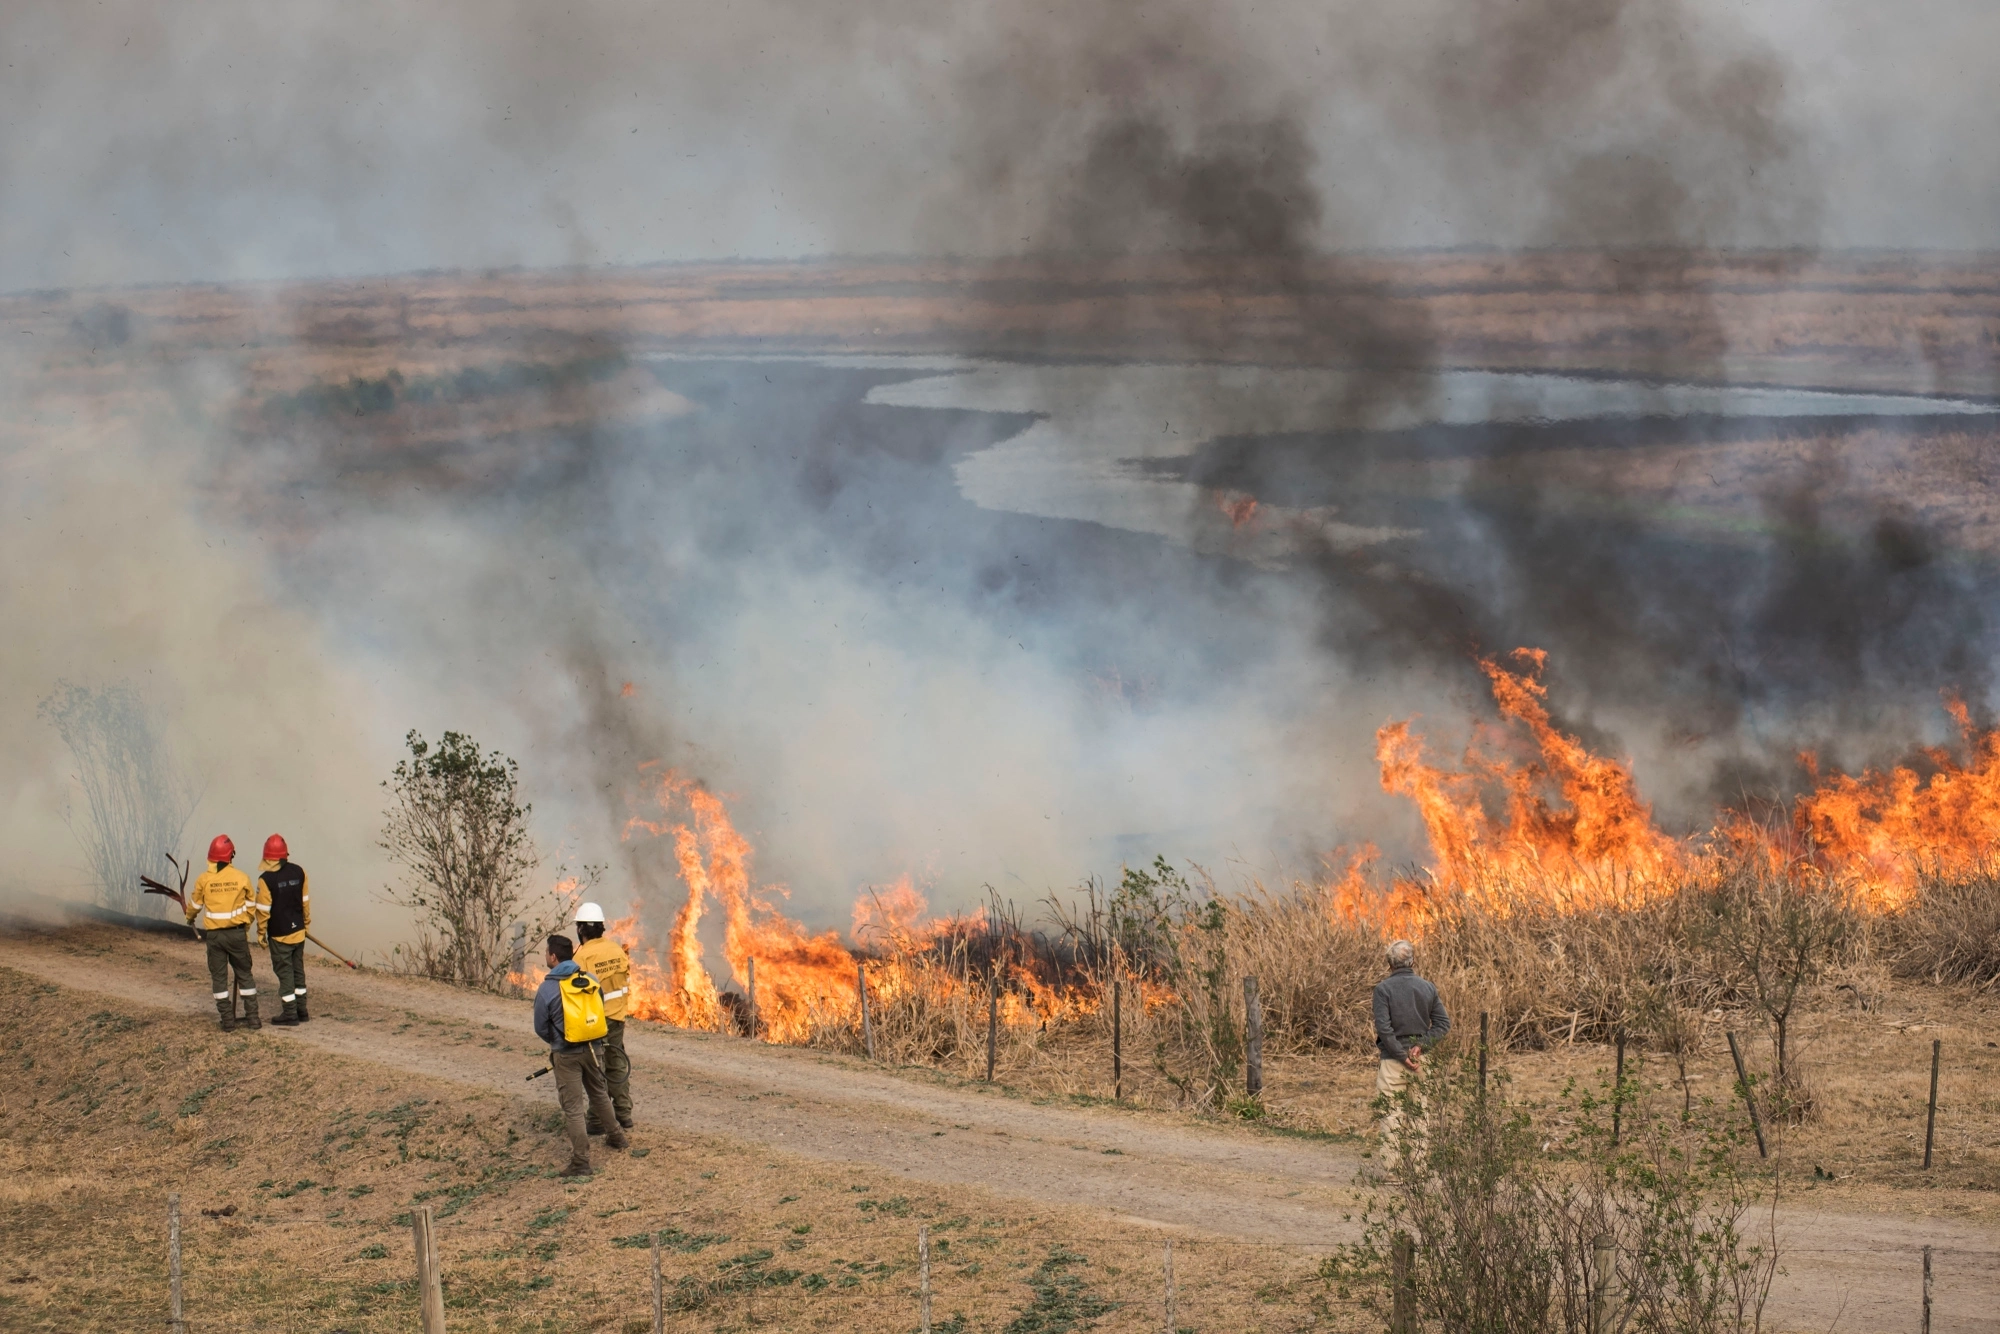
(1558, 988)
(298, 1173)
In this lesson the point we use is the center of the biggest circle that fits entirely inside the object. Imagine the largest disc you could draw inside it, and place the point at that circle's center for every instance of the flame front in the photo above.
(805, 981)
(1566, 829)
(1883, 827)
(1531, 820)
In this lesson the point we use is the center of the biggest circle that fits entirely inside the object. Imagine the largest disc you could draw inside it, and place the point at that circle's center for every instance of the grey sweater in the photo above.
(1407, 1009)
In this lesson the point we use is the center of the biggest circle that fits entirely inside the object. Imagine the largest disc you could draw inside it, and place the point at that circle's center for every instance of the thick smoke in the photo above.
(767, 574)
(122, 575)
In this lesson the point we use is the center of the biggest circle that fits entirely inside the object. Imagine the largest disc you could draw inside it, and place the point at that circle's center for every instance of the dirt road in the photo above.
(1142, 1170)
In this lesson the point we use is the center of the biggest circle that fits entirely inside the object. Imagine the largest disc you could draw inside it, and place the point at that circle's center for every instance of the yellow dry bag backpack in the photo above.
(583, 1009)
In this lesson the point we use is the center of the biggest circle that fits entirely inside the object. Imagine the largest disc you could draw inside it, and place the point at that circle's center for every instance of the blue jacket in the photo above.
(548, 1008)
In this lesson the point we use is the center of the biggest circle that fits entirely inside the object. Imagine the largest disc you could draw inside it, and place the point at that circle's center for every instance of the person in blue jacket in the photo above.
(578, 1066)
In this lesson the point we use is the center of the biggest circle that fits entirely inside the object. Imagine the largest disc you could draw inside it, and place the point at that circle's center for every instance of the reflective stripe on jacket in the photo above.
(603, 960)
(224, 897)
(279, 909)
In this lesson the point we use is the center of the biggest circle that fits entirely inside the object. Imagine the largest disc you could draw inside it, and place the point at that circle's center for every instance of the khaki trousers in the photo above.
(1390, 1080)
(580, 1089)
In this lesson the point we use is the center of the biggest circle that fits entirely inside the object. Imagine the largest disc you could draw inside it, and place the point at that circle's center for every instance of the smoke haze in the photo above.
(249, 141)
(779, 556)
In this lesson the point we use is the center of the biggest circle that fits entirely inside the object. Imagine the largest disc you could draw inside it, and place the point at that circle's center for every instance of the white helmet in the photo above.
(590, 912)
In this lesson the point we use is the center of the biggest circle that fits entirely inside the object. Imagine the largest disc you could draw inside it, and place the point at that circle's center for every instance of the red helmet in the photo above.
(275, 849)
(220, 849)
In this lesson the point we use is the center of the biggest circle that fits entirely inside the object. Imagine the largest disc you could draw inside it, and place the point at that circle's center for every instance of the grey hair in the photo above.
(1402, 954)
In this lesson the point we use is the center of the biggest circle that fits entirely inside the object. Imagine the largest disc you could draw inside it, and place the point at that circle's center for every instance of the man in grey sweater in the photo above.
(1409, 1020)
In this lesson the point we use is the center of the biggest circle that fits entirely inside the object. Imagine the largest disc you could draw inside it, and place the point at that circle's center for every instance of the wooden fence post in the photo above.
(992, 1021)
(1117, 1039)
(176, 1324)
(752, 984)
(1927, 1290)
(1618, 1091)
(1743, 1082)
(430, 1283)
(1403, 1285)
(659, 1291)
(867, 1027)
(1604, 1292)
(1253, 1039)
(1930, 1116)
(924, 1276)
(1170, 1286)
(1482, 1053)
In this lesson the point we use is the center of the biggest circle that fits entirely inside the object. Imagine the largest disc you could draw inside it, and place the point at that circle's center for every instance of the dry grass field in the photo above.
(299, 1158)
(298, 1172)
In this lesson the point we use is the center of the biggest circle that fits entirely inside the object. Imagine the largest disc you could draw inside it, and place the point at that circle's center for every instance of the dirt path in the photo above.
(1848, 1271)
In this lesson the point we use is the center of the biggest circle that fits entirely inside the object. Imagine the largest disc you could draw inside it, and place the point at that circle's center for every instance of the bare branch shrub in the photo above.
(455, 824)
(1779, 933)
(137, 797)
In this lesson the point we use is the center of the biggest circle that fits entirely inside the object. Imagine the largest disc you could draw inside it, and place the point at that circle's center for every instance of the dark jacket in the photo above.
(1407, 1009)
(291, 901)
(548, 1008)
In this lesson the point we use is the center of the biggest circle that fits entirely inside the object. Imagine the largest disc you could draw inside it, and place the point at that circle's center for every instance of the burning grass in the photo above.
(1552, 902)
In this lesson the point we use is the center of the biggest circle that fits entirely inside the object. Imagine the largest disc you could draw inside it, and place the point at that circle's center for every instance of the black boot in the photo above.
(250, 1019)
(227, 1014)
(288, 1017)
(300, 1007)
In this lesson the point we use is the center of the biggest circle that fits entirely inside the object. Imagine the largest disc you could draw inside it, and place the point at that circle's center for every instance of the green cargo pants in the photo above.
(229, 947)
(289, 963)
(617, 1075)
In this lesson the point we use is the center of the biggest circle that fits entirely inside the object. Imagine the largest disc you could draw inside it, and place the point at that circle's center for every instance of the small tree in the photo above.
(1780, 935)
(457, 826)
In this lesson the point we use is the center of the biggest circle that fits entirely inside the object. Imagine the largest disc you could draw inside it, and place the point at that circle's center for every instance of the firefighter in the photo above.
(290, 898)
(223, 906)
(604, 960)
(579, 1074)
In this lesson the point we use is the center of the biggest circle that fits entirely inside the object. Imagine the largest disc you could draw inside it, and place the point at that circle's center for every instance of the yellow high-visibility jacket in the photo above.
(603, 960)
(223, 897)
(305, 904)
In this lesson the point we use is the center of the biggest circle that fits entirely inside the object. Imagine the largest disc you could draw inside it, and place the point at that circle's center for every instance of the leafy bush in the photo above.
(1503, 1210)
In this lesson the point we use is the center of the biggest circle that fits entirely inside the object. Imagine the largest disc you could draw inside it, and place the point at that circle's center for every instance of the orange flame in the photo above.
(804, 980)
(1240, 507)
(1566, 829)
(1570, 831)
(1880, 827)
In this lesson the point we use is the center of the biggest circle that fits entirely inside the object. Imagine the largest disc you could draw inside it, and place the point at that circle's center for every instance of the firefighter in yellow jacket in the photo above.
(223, 906)
(604, 960)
